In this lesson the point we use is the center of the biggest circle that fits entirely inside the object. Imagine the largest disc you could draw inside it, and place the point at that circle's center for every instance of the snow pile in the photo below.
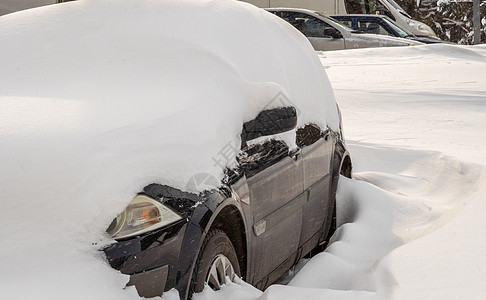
(100, 98)
(136, 65)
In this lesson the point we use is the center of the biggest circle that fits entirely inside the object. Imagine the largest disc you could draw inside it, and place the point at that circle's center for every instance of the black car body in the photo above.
(275, 207)
(381, 24)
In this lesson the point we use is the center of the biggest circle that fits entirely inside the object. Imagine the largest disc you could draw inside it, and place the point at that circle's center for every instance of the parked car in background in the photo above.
(10, 6)
(214, 155)
(326, 34)
(392, 10)
(380, 24)
(337, 7)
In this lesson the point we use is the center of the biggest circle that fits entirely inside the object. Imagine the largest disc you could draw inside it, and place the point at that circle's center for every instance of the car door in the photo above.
(275, 188)
(316, 150)
(316, 31)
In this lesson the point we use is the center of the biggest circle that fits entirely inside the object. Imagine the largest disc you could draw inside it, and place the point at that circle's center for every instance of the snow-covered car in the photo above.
(326, 34)
(186, 125)
(380, 24)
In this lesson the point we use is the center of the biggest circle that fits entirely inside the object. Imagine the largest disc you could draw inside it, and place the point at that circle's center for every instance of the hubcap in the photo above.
(220, 271)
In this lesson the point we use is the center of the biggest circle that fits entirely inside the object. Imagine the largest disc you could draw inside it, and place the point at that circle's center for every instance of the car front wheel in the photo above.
(217, 262)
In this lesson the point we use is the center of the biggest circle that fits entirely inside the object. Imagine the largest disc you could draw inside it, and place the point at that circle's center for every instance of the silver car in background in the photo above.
(325, 34)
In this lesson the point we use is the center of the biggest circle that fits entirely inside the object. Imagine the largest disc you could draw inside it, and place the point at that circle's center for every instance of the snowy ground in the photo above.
(426, 112)
(411, 221)
(412, 224)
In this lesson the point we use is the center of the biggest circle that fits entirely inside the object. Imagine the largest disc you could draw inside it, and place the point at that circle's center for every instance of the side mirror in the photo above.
(332, 32)
(269, 122)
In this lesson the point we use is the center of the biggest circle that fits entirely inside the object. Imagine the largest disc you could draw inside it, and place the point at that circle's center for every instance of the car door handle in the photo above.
(325, 135)
(295, 153)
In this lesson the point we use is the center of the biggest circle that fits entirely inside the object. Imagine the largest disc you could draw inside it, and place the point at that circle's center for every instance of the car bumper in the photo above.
(150, 260)
(150, 283)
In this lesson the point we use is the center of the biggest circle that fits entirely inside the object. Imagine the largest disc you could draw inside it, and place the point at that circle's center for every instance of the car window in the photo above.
(308, 135)
(371, 27)
(346, 23)
(400, 31)
(308, 25)
(257, 157)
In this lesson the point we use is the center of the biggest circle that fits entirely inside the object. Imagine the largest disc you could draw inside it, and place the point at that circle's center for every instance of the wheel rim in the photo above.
(220, 270)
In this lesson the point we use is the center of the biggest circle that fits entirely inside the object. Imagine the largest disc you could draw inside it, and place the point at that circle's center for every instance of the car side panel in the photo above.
(276, 199)
(317, 161)
(367, 41)
(327, 43)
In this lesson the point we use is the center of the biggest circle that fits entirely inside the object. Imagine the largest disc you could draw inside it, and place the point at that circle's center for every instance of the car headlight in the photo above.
(142, 215)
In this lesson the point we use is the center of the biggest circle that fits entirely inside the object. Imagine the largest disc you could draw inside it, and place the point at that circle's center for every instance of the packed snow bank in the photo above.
(101, 98)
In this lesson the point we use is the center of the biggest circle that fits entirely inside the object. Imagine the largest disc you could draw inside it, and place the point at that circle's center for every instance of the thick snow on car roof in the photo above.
(201, 68)
(100, 98)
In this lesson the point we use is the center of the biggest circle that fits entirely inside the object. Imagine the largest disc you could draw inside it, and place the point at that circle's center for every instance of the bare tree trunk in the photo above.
(476, 23)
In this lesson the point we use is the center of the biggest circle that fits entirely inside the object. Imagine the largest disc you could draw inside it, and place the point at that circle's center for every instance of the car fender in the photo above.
(199, 224)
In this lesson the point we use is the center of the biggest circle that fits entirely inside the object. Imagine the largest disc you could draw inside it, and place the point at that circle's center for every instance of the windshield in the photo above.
(333, 22)
(399, 8)
(401, 32)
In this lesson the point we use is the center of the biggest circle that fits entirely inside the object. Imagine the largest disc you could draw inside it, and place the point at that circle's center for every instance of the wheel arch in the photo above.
(342, 164)
(230, 221)
(218, 213)
(346, 167)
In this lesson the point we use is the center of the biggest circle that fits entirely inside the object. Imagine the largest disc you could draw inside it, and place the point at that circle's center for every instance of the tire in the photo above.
(217, 259)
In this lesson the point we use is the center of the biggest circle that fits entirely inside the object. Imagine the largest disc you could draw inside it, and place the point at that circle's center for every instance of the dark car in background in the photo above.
(380, 24)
